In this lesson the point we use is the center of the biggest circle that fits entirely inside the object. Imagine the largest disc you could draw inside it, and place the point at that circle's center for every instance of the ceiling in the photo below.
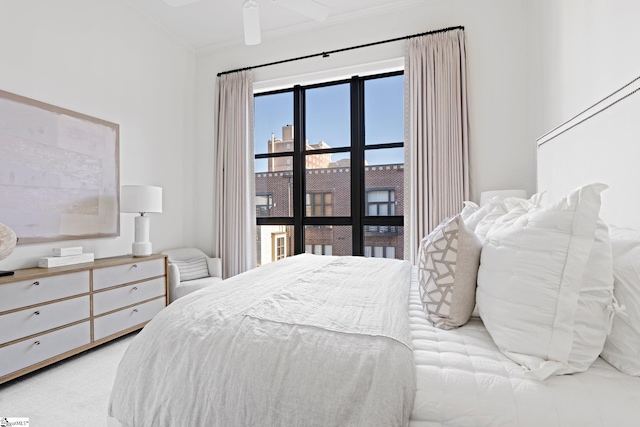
(218, 23)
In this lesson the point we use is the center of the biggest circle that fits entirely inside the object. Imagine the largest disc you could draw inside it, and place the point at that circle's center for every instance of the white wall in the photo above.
(581, 52)
(502, 155)
(101, 58)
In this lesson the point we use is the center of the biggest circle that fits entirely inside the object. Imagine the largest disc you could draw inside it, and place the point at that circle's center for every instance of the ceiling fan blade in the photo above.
(251, 17)
(310, 8)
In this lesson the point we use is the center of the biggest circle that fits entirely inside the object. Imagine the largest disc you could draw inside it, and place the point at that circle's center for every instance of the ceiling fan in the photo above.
(251, 15)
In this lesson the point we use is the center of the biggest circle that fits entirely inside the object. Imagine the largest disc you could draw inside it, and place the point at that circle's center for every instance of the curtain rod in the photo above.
(326, 54)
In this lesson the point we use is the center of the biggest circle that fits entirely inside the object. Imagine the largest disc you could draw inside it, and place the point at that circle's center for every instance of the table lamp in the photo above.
(142, 199)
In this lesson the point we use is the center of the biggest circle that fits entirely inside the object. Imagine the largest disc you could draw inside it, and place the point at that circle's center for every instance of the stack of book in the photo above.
(65, 256)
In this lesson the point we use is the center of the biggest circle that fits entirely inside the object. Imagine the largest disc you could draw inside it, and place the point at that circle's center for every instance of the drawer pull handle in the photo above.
(36, 283)
(135, 288)
(37, 313)
(135, 310)
(36, 343)
(134, 266)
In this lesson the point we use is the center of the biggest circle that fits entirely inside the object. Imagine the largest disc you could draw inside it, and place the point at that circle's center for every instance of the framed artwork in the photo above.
(59, 172)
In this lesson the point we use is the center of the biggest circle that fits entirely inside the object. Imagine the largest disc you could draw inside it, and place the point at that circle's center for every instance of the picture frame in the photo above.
(59, 172)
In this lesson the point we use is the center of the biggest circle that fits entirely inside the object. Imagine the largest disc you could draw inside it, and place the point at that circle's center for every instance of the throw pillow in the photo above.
(533, 293)
(622, 346)
(447, 272)
(192, 269)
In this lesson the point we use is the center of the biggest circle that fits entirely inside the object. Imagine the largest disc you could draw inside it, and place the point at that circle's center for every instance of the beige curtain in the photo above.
(234, 211)
(436, 133)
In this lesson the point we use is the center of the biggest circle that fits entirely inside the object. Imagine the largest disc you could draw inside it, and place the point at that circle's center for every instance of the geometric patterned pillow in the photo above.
(192, 269)
(447, 271)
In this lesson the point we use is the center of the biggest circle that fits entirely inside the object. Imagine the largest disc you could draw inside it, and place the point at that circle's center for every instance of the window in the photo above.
(380, 251)
(279, 242)
(319, 249)
(319, 204)
(330, 166)
(264, 203)
(381, 202)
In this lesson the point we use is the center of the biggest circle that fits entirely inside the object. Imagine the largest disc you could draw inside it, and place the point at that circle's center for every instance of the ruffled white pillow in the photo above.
(622, 346)
(533, 293)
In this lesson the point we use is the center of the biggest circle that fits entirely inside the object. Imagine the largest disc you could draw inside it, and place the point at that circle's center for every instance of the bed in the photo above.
(315, 340)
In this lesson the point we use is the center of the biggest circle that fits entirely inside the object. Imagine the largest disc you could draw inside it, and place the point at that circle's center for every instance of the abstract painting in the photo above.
(58, 172)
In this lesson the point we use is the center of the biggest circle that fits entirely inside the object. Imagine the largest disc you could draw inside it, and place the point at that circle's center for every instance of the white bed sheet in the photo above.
(464, 380)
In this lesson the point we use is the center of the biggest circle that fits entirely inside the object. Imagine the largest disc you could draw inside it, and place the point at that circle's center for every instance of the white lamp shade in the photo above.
(140, 198)
(501, 194)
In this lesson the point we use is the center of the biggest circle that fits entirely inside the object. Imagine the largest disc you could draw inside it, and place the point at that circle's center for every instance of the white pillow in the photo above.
(532, 294)
(468, 209)
(447, 271)
(472, 220)
(192, 269)
(505, 212)
(485, 224)
(622, 347)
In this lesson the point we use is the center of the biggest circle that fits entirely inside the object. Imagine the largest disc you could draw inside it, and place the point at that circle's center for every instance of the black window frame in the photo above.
(359, 220)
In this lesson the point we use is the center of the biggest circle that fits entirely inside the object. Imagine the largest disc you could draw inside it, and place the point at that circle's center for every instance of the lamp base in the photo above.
(6, 273)
(141, 249)
(142, 245)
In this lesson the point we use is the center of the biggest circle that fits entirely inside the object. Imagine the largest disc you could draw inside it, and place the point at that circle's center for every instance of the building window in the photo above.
(264, 204)
(319, 204)
(380, 251)
(319, 249)
(381, 202)
(279, 244)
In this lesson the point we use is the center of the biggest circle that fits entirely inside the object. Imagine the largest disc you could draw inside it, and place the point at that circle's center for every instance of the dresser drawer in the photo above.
(127, 273)
(24, 293)
(31, 321)
(113, 299)
(29, 352)
(124, 319)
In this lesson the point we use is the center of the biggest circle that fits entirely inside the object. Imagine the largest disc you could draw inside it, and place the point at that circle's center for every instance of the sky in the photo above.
(328, 117)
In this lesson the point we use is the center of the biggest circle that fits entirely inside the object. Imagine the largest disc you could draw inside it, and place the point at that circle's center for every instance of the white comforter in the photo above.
(307, 341)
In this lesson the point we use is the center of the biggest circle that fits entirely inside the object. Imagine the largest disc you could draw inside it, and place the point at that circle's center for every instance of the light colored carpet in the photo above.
(73, 392)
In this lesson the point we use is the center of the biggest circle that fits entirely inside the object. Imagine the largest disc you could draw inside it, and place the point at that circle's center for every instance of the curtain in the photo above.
(436, 134)
(234, 186)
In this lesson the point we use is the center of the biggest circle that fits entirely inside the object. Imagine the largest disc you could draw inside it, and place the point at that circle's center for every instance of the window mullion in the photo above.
(357, 164)
(299, 201)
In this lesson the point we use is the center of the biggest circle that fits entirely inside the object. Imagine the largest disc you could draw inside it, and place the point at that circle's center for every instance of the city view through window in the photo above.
(339, 173)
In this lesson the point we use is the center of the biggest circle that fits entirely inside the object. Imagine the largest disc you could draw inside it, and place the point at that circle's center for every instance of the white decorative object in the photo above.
(8, 241)
(142, 199)
(59, 261)
(76, 250)
(501, 195)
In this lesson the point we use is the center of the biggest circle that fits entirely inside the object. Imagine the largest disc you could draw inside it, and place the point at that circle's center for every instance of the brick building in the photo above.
(328, 193)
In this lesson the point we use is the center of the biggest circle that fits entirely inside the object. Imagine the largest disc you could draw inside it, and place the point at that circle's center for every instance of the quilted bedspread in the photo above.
(464, 380)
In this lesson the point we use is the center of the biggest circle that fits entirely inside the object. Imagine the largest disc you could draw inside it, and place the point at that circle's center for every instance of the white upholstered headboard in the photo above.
(601, 144)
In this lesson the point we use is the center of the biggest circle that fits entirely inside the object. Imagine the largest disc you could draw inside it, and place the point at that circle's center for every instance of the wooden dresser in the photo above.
(48, 314)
